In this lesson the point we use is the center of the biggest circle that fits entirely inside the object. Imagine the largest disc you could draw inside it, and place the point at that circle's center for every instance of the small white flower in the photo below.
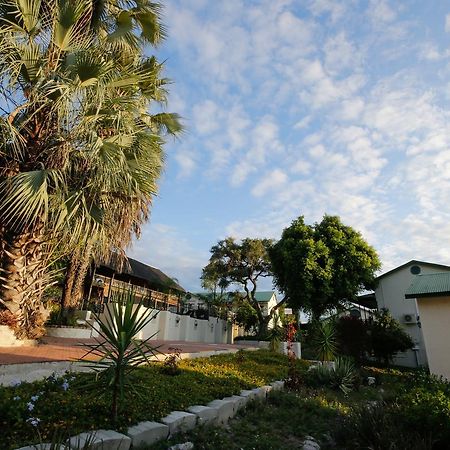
(65, 385)
(34, 421)
(34, 398)
(16, 398)
(30, 406)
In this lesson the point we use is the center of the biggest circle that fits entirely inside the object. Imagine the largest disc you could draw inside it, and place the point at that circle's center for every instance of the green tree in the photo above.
(241, 264)
(319, 267)
(80, 154)
(387, 337)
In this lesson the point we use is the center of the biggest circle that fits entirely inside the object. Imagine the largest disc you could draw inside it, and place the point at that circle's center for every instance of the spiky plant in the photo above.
(119, 349)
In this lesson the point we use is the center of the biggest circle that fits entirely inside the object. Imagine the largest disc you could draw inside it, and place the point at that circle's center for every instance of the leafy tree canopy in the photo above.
(241, 264)
(320, 266)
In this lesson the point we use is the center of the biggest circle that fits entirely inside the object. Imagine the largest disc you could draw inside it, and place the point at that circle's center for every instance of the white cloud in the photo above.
(381, 12)
(447, 23)
(271, 181)
(186, 163)
(206, 117)
(164, 246)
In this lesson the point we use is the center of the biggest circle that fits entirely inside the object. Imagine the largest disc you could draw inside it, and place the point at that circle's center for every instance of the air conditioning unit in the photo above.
(409, 318)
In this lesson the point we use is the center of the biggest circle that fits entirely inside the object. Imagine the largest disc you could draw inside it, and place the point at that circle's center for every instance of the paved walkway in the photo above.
(58, 355)
(65, 349)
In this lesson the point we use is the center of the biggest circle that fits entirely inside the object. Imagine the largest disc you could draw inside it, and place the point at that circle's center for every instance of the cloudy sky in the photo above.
(304, 107)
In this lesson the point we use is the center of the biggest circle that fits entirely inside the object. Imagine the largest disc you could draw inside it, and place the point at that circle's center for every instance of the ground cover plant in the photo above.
(405, 410)
(72, 404)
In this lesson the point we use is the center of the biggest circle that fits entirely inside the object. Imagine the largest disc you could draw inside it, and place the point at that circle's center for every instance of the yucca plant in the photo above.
(325, 340)
(119, 350)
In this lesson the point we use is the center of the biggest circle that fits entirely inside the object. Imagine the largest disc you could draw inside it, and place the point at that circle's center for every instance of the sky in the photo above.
(304, 107)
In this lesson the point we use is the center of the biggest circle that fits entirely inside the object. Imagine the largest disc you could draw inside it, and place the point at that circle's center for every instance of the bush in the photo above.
(340, 376)
(378, 427)
(387, 337)
(353, 337)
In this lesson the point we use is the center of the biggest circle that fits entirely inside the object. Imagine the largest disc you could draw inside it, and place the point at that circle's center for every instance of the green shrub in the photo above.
(342, 375)
(387, 337)
(378, 426)
(352, 337)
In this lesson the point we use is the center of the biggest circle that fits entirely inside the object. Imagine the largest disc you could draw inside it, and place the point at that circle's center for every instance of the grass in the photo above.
(77, 406)
(281, 423)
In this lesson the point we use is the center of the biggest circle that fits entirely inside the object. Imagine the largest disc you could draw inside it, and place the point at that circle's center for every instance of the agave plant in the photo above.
(119, 350)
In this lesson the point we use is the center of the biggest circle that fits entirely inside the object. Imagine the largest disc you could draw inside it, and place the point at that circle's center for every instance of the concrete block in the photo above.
(249, 395)
(43, 446)
(277, 385)
(100, 440)
(238, 403)
(178, 421)
(225, 410)
(260, 393)
(147, 433)
(205, 414)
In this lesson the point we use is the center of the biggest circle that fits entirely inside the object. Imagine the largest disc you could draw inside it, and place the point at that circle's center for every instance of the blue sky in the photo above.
(304, 107)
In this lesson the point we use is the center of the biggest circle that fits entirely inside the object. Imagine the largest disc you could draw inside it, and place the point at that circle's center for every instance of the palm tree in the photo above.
(78, 147)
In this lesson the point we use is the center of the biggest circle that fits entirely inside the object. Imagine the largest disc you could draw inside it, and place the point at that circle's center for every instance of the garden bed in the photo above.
(72, 404)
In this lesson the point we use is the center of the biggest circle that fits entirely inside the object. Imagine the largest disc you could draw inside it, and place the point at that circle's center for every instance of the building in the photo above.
(155, 288)
(390, 294)
(431, 293)
(198, 301)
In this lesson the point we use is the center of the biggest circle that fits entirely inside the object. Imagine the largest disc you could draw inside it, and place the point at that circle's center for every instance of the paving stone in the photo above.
(101, 440)
(225, 410)
(147, 433)
(277, 385)
(205, 414)
(178, 421)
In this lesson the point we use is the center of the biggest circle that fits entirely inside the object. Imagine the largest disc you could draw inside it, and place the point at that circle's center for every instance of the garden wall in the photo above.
(170, 326)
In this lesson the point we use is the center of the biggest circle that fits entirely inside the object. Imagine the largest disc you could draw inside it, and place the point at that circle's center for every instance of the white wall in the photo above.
(390, 294)
(434, 314)
(168, 326)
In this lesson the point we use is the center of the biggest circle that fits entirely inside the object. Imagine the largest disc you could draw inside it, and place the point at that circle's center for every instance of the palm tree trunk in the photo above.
(69, 280)
(23, 271)
(77, 291)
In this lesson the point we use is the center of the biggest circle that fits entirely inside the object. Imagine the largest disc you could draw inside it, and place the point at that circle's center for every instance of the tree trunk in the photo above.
(69, 280)
(84, 263)
(23, 281)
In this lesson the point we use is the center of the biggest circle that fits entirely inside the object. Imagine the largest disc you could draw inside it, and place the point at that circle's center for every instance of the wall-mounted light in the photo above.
(195, 323)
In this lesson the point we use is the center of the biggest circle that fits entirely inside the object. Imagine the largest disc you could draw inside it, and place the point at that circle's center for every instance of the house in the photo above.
(431, 293)
(145, 282)
(390, 294)
(194, 301)
(267, 300)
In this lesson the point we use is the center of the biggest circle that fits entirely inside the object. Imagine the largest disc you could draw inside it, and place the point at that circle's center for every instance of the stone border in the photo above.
(217, 412)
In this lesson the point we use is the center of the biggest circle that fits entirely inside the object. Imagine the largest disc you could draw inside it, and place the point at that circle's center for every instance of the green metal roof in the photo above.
(263, 296)
(430, 285)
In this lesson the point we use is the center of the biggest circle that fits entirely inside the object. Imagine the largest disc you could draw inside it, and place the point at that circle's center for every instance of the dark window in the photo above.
(415, 270)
